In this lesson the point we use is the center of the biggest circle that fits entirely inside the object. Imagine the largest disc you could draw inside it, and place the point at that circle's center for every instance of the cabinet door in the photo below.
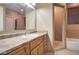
(27, 49)
(19, 51)
(34, 51)
(35, 42)
(45, 44)
(40, 49)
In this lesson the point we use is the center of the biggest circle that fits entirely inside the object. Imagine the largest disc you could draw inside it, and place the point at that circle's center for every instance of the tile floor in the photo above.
(58, 44)
(72, 48)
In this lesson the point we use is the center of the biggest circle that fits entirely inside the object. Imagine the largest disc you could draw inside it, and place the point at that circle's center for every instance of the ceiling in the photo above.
(18, 7)
(61, 4)
(71, 5)
(24, 9)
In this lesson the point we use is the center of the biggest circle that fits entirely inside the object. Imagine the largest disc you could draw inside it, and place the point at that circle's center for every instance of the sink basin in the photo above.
(23, 36)
(28, 36)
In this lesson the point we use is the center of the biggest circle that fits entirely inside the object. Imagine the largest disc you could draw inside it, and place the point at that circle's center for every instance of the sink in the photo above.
(23, 36)
(28, 36)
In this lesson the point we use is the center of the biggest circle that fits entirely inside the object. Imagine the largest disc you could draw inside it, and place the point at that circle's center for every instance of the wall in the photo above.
(45, 19)
(1, 19)
(73, 31)
(73, 17)
(30, 21)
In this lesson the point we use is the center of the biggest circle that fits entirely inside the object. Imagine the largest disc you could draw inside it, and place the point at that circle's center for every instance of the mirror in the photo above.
(31, 24)
(16, 17)
(1, 19)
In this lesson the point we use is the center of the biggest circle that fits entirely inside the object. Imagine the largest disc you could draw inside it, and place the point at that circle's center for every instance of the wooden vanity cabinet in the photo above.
(37, 46)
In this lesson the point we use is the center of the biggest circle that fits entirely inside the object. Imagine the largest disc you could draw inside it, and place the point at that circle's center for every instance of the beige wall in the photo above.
(1, 19)
(45, 19)
(73, 31)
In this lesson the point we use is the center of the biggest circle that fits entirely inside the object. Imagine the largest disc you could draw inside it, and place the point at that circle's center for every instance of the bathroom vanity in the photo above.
(29, 44)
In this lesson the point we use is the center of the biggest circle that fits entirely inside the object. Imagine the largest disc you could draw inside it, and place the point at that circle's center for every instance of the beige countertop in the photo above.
(9, 43)
(11, 33)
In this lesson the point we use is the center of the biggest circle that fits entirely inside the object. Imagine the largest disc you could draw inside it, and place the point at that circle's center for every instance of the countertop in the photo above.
(11, 33)
(9, 43)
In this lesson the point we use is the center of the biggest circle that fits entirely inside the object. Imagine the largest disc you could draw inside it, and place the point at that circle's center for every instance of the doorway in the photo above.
(59, 13)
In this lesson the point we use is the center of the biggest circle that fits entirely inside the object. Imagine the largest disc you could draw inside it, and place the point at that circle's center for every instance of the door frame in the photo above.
(65, 22)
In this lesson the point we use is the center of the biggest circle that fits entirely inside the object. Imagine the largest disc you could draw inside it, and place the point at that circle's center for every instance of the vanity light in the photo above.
(22, 10)
(29, 5)
(33, 4)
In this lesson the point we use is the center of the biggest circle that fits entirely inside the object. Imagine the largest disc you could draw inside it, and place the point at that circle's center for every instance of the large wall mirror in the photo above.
(31, 21)
(17, 17)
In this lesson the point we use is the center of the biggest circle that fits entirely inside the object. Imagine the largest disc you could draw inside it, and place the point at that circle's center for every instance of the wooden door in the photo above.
(58, 19)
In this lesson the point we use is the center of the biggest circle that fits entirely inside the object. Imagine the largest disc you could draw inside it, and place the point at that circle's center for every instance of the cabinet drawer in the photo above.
(36, 42)
(19, 51)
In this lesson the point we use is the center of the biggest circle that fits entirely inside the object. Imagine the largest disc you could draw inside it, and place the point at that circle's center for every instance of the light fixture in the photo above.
(29, 5)
(22, 10)
(33, 4)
